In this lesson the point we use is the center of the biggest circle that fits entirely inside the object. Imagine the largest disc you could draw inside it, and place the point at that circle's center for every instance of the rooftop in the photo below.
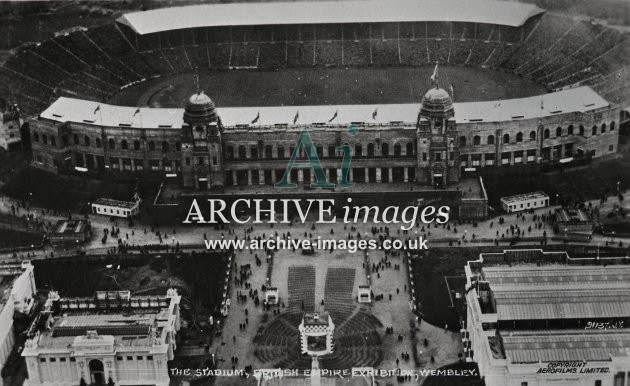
(70, 226)
(115, 203)
(525, 196)
(566, 345)
(576, 100)
(572, 215)
(329, 12)
(530, 292)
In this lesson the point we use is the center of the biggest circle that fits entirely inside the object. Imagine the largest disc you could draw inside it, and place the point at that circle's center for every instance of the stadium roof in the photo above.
(329, 12)
(580, 99)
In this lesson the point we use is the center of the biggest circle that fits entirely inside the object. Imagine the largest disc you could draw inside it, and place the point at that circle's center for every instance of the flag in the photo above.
(374, 113)
(257, 118)
(98, 108)
(435, 75)
(297, 115)
(333, 117)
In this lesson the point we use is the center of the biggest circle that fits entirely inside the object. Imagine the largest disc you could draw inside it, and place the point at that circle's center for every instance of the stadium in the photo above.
(66, 84)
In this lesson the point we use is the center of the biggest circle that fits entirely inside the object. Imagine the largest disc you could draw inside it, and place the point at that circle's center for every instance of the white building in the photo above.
(558, 323)
(316, 333)
(17, 287)
(116, 208)
(525, 201)
(113, 335)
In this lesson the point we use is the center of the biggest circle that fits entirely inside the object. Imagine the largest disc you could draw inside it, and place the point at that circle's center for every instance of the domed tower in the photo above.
(202, 163)
(438, 152)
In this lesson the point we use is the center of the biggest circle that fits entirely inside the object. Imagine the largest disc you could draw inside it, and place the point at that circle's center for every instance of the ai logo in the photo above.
(321, 181)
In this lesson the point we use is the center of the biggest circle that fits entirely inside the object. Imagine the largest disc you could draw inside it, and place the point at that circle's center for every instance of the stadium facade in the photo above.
(431, 143)
(541, 318)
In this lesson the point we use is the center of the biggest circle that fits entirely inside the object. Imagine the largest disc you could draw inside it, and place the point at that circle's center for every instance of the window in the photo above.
(570, 130)
(519, 137)
(594, 130)
(111, 143)
(119, 358)
(139, 357)
(581, 130)
(397, 150)
(491, 140)
(165, 146)
(73, 359)
(178, 146)
(253, 151)
(384, 150)
(75, 139)
(558, 131)
(136, 145)
(214, 160)
(200, 161)
(546, 134)
(86, 140)
(45, 139)
(598, 383)
(611, 147)
(124, 145)
(437, 156)
(268, 151)
(35, 137)
(281, 152)
(532, 135)
(43, 360)
(98, 142)
(506, 138)
(476, 140)
(523, 383)
(242, 152)
(370, 150)
(462, 141)
(53, 141)
(603, 128)
(612, 126)
(229, 152)
(129, 358)
(151, 146)
(424, 156)
(62, 359)
(149, 357)
(409, 148)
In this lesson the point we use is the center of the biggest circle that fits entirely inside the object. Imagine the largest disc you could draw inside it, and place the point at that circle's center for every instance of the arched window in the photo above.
(75, 139)
(165, 146)
(136, 145)
(358, 150)
(558, 132)
(44, 139)
(178, 146)
(519, 137)
(506, 138)
(151, 146)
(319, 150)
(409, 148)
(253, 152)
(124, 145)
(35, 137)
(268, 151)
(462, 141)
(370, 150)
(281, 151)
(397, 150)
(97, 141)
(229, 152)
(53, 141)
(603, 128)
(570, 130)
(581, 130)
(86, 140)
(594, 130)
(242, 152)
(476, 140)
(491, 140)
(532, 135)
(384, 150)
(64, 140)
(612, 126)
(546, 134)
(111, 143)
